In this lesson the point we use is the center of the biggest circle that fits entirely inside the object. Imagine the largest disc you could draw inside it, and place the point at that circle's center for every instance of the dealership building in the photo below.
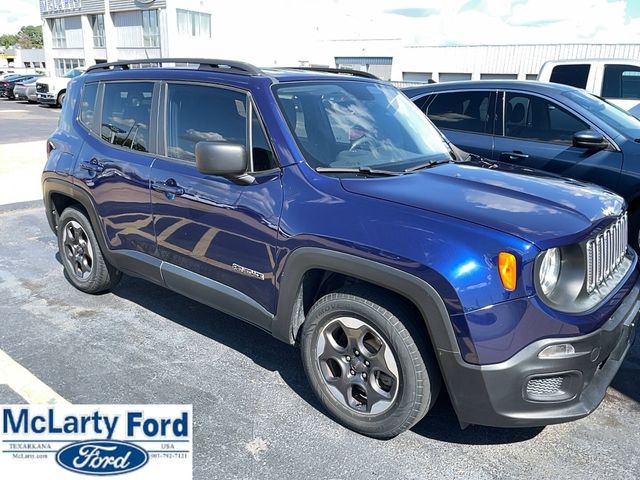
(84, 32)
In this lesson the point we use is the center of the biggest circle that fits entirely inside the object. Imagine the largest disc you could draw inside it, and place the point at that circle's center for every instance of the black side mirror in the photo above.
(223, 159)
(589, 139)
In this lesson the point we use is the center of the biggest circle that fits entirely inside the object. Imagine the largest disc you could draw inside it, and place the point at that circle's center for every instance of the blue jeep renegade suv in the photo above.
(326, 209)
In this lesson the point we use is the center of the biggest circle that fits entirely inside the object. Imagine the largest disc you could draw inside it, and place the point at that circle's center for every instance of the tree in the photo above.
(8, 40)
(30, 36)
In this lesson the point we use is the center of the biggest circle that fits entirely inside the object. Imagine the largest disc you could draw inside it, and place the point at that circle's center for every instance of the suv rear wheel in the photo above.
(367, 361)
(81, 256)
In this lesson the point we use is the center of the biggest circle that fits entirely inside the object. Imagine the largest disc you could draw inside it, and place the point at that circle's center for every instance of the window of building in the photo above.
(418, 77)
(453, 77)
(58, 33)
(63, 65)
(195, 24)
(534, 118)
(199, 113)
(27, 64)
(126, 114)
(574, 75)
(498, 76)
(150, 30)
(88, 103)
(97, 25)
(466, 111)
(621, 81)
(532, 76)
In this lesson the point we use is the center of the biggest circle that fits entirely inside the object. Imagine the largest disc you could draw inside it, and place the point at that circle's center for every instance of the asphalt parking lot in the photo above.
(254, 413)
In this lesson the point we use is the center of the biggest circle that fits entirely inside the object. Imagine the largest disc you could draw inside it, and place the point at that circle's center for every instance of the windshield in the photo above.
(620, 119)
(76, 72)
(352, 124)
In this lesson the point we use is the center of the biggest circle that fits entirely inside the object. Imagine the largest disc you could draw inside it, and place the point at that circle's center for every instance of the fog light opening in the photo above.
(558, 351)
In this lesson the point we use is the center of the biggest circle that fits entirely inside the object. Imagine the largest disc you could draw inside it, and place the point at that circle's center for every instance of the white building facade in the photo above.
(80, 33)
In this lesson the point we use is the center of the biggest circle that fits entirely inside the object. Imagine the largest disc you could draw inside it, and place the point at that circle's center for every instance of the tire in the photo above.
(61, 98)
(83, 262)
(365, 319)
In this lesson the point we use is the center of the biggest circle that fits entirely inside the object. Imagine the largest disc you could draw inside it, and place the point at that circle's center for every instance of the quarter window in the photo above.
(126, 114)
(534, 118)
(621, 81)
(88, 103)
(574, 75)
(466, 111)
(262, 154)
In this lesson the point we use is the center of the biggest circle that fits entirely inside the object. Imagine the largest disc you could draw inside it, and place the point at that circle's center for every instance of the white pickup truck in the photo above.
(52, 90)
(617, 81)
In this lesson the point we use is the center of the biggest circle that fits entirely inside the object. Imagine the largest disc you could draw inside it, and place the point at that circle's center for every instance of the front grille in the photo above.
(605, 252)
(544, 387)
(42, 87)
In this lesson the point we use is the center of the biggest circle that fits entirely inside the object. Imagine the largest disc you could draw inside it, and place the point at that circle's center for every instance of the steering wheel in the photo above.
(366, 139)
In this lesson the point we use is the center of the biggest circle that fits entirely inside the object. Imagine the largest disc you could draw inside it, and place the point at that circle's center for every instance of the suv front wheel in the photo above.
(368, 362)
(81, 256)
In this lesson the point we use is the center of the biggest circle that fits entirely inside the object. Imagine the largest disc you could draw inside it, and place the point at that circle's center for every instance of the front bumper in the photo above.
(48, 98)
(561, 389)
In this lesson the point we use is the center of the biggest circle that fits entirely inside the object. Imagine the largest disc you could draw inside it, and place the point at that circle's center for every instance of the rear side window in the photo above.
(534, 118)
(621, 81)
(574, 75)
(126, 114)
(197, 113)
(466, 111)
(88, 104)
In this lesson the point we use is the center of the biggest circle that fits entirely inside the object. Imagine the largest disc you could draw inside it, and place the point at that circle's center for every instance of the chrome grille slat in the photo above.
(605, 253)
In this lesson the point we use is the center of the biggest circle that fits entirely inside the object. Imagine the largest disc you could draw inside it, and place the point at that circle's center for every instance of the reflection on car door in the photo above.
(222, 232)
(466, 118)
(538, 133)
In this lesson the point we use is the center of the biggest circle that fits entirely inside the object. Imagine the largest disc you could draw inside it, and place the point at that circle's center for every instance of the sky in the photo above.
(423, 22)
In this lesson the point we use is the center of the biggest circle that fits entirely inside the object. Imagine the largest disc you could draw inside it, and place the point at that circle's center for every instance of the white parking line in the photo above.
(25, 383)
(14, 111)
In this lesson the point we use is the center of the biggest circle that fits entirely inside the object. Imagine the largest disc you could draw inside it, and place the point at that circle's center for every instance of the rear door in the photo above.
(115, 161)
(537, 132)
(466, 118)
(217, 237)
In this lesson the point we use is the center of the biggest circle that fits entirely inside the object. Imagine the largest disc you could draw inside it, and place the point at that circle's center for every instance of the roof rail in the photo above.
(345, 71)
(229, 66)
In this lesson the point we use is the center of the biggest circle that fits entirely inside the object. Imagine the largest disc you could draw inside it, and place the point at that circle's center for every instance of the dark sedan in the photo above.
(7, 86)
(546, 126)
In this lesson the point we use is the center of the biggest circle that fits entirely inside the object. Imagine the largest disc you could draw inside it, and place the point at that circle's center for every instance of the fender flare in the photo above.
(420, 293)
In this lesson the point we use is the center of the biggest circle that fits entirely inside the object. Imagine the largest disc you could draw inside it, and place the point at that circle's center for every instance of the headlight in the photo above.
(549, 272)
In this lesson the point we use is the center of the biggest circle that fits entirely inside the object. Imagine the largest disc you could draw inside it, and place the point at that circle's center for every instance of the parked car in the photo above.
(617, 81)
(551, 127)
(52, 90)
(7, 86)
(5, 76)
(26, 90)
(327, 210)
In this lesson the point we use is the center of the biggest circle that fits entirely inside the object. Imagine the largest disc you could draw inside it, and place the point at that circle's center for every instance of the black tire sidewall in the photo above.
(413, 382)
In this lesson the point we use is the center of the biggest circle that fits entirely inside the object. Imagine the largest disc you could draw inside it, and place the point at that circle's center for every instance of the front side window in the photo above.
(126, 114)
(197, 113)
(194, 24)
(467, 111)
(150, 30)
(88, 103)
(574, 75)
(535, 118)
(97, 25)
(621, 81)
(58, 33)
(353, 124)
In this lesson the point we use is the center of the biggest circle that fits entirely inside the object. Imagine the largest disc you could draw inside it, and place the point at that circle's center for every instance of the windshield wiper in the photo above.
(362, 170)
(429, 164)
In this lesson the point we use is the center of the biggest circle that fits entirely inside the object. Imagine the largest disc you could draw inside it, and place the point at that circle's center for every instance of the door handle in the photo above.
(514, 155)
(169, 188)
(94, 166)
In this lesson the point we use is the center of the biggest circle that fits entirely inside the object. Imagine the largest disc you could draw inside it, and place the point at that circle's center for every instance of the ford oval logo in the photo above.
(102, 457)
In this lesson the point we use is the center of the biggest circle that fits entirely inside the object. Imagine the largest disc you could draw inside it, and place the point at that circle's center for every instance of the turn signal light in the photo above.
(508, 270)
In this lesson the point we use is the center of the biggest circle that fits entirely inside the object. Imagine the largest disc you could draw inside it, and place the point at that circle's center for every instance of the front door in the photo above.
(538, 133)
(212, 233)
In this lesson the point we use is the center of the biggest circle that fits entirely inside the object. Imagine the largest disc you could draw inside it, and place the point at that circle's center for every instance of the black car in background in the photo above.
(546, 126)
(7, 86)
